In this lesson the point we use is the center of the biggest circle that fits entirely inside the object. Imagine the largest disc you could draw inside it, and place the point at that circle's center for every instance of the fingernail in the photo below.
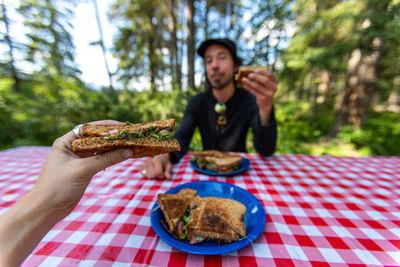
(127, 153)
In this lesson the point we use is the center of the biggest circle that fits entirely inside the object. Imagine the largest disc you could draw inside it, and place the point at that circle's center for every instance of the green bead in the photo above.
(220, 108)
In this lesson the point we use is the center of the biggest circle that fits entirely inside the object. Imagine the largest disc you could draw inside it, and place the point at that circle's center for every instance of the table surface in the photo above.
(321, 211)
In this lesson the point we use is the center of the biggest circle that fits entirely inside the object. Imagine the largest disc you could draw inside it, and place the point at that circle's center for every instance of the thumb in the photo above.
(100, 162)
(168, 171)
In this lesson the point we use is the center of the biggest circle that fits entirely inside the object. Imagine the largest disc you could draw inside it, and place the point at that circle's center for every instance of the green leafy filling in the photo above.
(202, 163)
(186, 220)
(151, 132)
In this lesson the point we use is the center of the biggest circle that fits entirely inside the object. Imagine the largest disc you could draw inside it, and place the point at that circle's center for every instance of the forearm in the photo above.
(265, 115)
(23, 226)
(265, 137)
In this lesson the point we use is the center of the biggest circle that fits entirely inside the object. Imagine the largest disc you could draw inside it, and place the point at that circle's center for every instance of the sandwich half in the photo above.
(218, 161)
(145, 139)
(225, 164)
(215, 218)
(174, 207)
(245, 71)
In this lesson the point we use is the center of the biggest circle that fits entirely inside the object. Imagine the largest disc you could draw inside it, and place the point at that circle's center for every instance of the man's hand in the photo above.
(263, 85)
(158, 167)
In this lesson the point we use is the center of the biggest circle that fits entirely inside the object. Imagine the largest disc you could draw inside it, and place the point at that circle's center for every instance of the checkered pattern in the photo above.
(321, 211)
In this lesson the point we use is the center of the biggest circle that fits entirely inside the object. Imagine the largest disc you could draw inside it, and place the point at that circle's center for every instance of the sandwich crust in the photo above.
(212, 153)
(141, 147)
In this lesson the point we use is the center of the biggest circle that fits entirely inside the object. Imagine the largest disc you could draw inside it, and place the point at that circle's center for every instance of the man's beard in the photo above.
(220, 83)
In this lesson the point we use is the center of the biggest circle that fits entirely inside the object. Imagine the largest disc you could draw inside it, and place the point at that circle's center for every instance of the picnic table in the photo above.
(320, 211)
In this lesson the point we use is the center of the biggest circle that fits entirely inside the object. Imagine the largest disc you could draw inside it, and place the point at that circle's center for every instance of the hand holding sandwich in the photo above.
(263, 85)
(60, 186)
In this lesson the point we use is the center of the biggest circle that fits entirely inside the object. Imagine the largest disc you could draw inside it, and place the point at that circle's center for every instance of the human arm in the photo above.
(58, 189)
(264, 137)
(263, 85)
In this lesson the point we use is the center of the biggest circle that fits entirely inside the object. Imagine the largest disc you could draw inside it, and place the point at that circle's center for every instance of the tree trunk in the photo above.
(362, 71)
(190, 11)
(103, 48)
(151, 55)
(321, 91)
(14, 72)
(300, 90)
(53, 45)
(177, 76)
(360, 85)
(323, 86)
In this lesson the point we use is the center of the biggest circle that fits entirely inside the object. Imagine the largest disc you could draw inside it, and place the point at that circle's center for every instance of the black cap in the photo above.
(230, 45)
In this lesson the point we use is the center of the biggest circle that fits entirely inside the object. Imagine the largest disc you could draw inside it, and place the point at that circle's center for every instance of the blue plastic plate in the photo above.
(244, 165)
(254, 220)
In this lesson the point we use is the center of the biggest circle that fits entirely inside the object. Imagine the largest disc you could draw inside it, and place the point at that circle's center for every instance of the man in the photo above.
(224, 112)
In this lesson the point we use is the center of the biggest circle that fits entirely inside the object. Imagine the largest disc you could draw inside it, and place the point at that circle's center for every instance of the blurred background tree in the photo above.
(338, 63)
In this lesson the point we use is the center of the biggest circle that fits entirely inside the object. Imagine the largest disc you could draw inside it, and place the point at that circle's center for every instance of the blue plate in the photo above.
(244, 165)
(254, 220)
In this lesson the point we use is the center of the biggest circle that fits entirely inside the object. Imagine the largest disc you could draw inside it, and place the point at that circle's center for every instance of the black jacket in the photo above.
(242, 113)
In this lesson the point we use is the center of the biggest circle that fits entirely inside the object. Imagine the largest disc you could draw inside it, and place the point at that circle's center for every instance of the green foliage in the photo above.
(378, 136)
(294, 128)
(195, 144)
(49, 46)
(51, 99)
(300, 132)
(43, 115)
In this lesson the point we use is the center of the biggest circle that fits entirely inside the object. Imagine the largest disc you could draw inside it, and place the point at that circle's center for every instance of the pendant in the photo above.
(222, 120)
(220, 108)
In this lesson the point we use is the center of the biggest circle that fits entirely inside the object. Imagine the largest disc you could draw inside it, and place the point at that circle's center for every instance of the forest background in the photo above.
(338, 63)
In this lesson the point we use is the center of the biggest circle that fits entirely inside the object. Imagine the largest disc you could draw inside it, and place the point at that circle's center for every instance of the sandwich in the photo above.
(175, 208)
(197, 219)
(218, 161)
(145, 139)
(216, 219)
(245, 71)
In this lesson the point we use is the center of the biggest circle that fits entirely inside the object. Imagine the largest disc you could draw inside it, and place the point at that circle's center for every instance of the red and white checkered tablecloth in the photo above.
(321, 211)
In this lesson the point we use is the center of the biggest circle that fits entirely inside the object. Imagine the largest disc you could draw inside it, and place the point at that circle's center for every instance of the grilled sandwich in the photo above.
(145, 139)
(215, 218)
(174, 207)
(218, 161)
(245, 71)
(196, 219)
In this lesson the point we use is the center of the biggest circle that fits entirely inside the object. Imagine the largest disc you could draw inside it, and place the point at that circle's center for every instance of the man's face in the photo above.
(219, 66)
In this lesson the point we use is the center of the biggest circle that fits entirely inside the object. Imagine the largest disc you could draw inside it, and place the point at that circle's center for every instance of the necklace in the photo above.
(221, 110)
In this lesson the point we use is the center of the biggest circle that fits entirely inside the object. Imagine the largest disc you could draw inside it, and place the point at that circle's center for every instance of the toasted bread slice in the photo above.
(93, 130)
(141, 147)
(214, 153)
(217, 160)
(225, 164)
(245, 71)
(231, 210)
(174, 206)
(205, 223)
(216, 218)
